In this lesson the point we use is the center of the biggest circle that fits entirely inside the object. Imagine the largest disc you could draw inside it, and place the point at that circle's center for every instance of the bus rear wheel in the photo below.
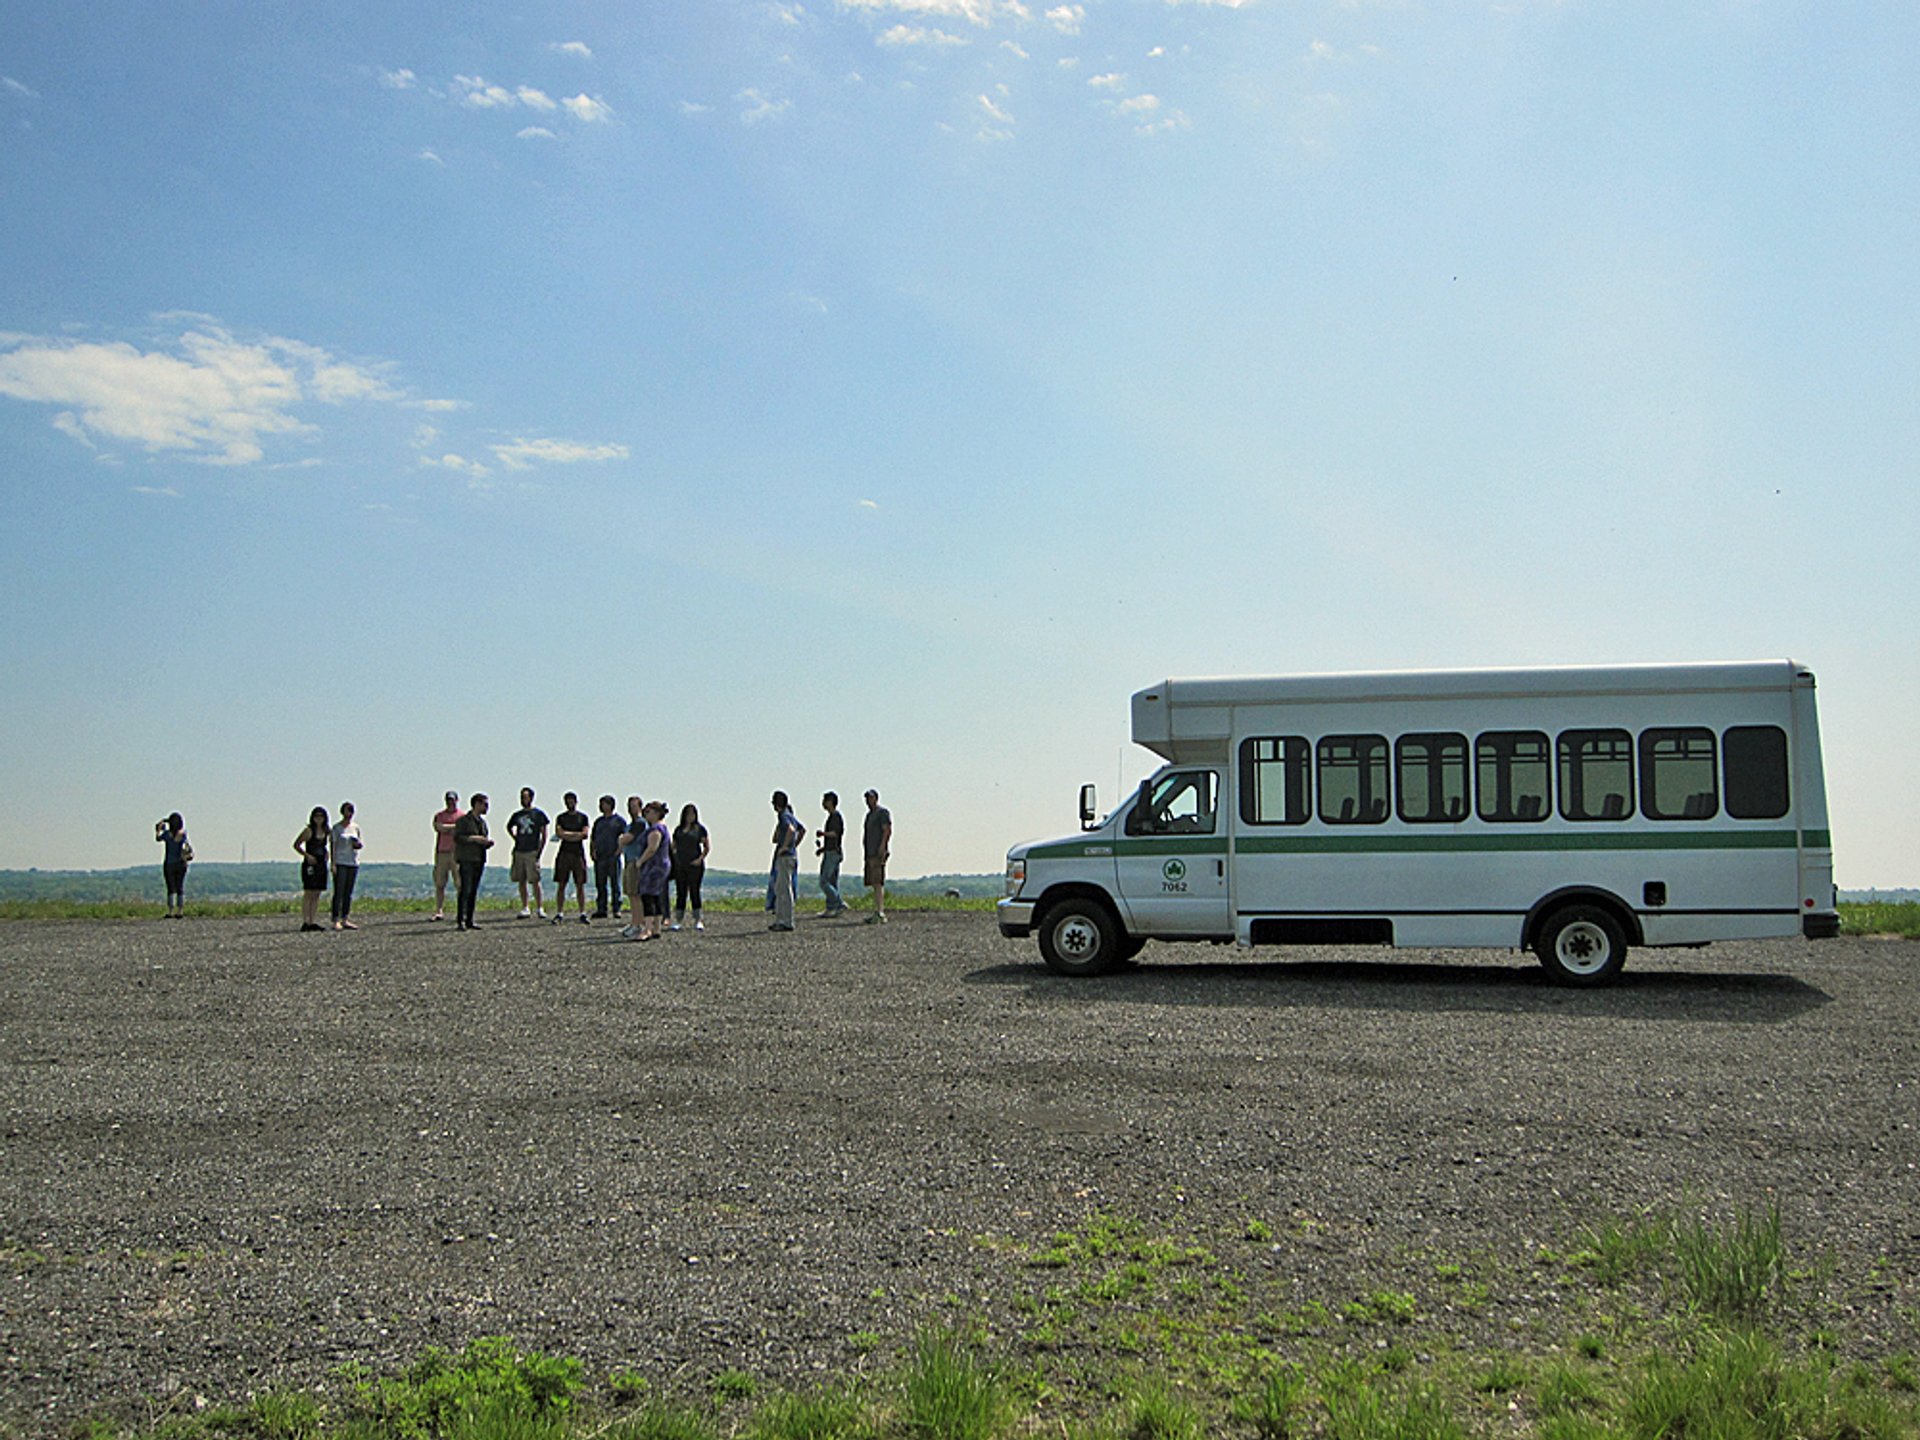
(1581, 945)
(1079, 937)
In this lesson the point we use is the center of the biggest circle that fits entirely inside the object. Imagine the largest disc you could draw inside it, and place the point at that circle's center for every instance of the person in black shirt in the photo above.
(608, 832)
(690, 846)
(829, 845)
(470, 845)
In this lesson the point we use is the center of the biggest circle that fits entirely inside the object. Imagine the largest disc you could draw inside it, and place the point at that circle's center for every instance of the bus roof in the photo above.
(1155, 708)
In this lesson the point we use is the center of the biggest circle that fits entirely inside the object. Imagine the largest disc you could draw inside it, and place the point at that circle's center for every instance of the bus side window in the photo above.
(1353, 779)
(1755, 757)
(1432, 780)
(1596, 774)
(1678, 774)
(1274, 780)
(1512, 774)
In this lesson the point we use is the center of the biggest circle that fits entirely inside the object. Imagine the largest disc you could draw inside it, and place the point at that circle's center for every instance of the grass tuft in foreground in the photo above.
(1674, 1326)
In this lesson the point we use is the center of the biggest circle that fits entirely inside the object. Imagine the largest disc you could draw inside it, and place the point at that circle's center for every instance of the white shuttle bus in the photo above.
(1573, 811)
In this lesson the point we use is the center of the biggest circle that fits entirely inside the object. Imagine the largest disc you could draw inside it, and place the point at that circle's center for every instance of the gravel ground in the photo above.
(232, 1154)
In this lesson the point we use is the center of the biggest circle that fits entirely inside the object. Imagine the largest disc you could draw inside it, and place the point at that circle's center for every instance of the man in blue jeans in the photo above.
(830, 844)
(609, 830)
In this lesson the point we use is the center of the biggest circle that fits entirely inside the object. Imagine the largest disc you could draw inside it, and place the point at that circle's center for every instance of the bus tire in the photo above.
(1079, 937)
(1581, 945)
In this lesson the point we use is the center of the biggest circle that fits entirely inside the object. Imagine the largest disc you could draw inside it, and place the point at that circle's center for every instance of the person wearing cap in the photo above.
(443, 862)
(877, 842)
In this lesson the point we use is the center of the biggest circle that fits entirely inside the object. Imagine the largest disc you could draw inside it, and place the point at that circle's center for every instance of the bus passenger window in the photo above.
(1678, 775)
(1432, 786)
(1353, 779)
(1512, 775)
(1756, 768)
(1596, 774)
(1274, 780)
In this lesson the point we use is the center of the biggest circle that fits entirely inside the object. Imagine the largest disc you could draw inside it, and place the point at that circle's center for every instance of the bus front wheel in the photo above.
(1581, 945)
(1079, 937)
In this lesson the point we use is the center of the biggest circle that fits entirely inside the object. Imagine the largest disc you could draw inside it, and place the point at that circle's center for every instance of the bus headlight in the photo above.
(1016, 876)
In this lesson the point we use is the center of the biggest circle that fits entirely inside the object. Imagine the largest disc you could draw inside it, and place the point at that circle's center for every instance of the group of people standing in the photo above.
(328, 849)
(639, 858)
(636, 857)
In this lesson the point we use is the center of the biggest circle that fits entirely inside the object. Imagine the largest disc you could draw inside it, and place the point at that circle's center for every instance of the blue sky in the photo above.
(699, 398)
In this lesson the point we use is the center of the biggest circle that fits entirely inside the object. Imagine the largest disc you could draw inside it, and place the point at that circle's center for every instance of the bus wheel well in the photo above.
(1078, 891)
(1547, 905)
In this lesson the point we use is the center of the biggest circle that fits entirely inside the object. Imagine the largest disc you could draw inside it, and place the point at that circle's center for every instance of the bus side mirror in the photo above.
(1087, 806)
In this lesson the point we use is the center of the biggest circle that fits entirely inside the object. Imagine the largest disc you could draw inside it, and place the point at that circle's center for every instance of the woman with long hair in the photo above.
(311, 846)
(690, 847)
(172, 832)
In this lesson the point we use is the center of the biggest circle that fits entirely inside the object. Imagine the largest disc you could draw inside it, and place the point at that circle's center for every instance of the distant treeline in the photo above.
(218, 880)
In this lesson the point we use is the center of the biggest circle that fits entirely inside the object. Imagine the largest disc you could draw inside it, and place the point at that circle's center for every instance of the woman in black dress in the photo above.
(311, 846)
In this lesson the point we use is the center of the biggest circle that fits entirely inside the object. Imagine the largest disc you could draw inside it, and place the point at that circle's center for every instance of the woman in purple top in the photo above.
(656, 863)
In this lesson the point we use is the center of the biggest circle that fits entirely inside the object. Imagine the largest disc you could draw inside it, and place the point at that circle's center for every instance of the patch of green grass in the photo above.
(492, 1380)
(827, 1414)
(949, 1393)
(1733, 1271)
(733, 1385)
(1881, 917)
(1741, 1386)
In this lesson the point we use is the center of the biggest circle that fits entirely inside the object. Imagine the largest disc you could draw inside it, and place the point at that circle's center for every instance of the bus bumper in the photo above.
(1016, 918)
(1820, 927)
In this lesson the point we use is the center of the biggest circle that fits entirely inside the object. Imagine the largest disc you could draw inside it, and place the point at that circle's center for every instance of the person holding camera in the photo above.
(172, 833)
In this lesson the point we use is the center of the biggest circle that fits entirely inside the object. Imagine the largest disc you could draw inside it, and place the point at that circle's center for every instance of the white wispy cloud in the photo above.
(694, 107)
(1014, 50)
(430, 157)
(788, 14)
(571, 47)
(1113, 80)
(459, 464)
(24, 91)
(159, 492)
(994, 112)
(1067, 19)
(478, 93)
(535, 132)
(919, 35)
(398, 79)
(535, 99)
(588, 108)
(524, 454)
(206, 395)
(974, 12)
(760, 107)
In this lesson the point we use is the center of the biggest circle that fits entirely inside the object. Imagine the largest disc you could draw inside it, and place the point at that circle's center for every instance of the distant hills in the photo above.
(263, 879)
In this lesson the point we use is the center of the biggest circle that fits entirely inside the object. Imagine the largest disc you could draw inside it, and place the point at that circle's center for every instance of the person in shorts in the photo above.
(570, 860)
(443, 858)
(633, 848)
(877, 842)
(528, 827)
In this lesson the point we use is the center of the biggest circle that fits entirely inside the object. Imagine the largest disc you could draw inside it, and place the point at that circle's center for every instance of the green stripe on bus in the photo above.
(1434, 844)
